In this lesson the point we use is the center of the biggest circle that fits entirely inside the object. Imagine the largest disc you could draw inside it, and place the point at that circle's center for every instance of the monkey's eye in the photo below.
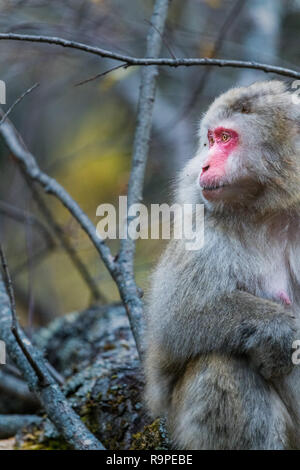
(225, 137)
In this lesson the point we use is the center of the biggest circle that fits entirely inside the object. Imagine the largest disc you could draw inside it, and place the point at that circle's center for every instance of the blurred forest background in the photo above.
(82, 134)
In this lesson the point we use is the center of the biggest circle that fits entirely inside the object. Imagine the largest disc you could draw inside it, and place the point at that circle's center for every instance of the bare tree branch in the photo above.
(129, 60)
(11, 424)
(29, 360)
(14, 324)
(17, 147)
(139, 160)
(55, 374)
(101, 74)
(121, 271)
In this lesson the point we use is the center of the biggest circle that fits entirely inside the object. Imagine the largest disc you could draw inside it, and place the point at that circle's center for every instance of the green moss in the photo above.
(150, 438)
(88, 414)
(34, 441)
(50, 444)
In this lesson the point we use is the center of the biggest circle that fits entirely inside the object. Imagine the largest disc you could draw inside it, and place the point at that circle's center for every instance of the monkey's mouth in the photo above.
(214, 187)
(233, 192)
(212, 191)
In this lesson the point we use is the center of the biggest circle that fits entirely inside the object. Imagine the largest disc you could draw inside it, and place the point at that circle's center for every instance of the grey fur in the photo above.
(219, 340)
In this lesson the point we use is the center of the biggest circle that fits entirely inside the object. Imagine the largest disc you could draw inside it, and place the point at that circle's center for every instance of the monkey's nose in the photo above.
(205, 168)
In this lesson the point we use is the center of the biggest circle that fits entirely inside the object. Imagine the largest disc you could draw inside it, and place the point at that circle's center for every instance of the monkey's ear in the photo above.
(242, 106)
(245, 108)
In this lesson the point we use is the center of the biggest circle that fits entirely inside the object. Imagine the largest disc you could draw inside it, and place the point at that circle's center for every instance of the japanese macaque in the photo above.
(221, 320)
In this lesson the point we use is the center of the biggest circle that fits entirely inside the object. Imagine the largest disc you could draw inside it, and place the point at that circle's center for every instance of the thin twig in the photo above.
(10, 109)
(14, 324)
(55, 374)
(15, 329)
(130, 61)
(11, 424)
(163, 39)
(102, 74)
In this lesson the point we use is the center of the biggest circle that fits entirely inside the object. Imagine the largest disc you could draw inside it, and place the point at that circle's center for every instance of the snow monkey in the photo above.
(221, 320)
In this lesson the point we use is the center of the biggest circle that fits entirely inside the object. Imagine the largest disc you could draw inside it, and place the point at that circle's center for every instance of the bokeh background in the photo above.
(82, 134)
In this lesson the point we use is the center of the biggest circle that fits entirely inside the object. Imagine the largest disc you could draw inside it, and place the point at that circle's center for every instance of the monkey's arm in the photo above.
(236, 323)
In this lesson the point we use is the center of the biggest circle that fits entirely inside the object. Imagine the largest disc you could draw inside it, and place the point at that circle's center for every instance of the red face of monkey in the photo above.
(222, 142)
(248, 155)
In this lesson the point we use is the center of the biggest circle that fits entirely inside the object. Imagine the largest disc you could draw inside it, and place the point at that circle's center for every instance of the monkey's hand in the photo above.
(270, 349)
(235, 323)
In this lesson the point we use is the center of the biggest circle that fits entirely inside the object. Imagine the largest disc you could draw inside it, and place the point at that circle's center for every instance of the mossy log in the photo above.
(94, 350)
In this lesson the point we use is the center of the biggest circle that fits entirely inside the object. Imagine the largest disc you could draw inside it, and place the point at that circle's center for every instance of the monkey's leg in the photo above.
(220, 403)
